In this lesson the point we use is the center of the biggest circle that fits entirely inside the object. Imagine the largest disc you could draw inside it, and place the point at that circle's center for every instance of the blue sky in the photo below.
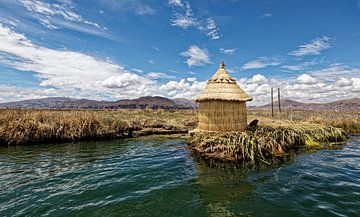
(116, 49)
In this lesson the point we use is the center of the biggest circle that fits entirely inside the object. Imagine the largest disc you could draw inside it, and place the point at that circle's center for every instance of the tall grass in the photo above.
(349, 121)
(33, 126)
(270, 139)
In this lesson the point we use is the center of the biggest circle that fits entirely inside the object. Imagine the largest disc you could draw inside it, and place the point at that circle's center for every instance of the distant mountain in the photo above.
(185, 103)
(153, 102)
(348, 105)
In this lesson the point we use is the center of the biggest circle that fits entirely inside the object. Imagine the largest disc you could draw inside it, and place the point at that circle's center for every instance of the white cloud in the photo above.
(314, 47)
(293, 67)
(185, 88)
(137, 7)
(184, 17)
(304, 65)
(335, 71)
(212, 29)
(176, 3)
(156, 48)
(152, 62)
(75, 74)
(47, 11)
(124, 80)
(137, 70)
(344, 82)
(259, 79)
(306, 79)
(158, 75)
(262, 62)
(196, 56)
(192, 79)
(266, 15)
(305, 89)
(227, 51)
(61, 68)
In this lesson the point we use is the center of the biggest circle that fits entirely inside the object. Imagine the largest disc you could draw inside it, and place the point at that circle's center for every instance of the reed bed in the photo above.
(35, 126)
(271, 138)
(348, 121)
(39, 126)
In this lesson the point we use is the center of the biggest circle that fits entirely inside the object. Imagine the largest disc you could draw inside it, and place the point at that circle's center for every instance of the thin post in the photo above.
(272, 102)
(279, 100)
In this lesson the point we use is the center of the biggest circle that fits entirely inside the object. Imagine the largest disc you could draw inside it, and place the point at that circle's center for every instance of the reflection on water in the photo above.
(157, 176)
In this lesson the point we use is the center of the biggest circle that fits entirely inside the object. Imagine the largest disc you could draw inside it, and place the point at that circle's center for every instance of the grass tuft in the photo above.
(271, 138)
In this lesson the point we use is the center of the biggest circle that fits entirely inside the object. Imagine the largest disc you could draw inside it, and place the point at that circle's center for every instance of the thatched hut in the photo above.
(222, 104)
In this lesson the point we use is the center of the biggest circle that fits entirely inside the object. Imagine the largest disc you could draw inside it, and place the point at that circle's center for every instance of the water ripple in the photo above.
(157, 176)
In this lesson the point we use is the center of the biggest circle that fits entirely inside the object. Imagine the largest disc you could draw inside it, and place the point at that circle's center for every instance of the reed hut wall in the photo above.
(222, 115)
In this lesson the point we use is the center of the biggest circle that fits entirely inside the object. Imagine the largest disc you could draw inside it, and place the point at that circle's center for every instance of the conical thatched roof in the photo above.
(223, 87)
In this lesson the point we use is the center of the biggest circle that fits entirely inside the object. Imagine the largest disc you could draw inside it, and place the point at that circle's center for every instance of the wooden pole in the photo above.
(279, 100)
(272, 102)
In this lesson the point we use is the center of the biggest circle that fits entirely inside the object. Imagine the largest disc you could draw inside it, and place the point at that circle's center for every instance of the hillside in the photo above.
(153, 102)
(348, 105)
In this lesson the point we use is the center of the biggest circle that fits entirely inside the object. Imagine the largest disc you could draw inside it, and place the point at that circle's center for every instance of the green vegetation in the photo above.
(40, 126)
(270, 138)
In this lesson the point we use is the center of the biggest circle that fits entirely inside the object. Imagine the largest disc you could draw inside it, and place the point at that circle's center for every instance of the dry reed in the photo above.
(348, 121)
(272, 138)
(34, 126)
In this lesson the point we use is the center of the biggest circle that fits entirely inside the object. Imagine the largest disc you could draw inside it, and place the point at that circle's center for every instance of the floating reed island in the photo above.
(223, 132)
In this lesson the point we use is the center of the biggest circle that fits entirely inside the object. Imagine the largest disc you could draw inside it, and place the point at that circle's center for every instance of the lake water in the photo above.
(157, 176)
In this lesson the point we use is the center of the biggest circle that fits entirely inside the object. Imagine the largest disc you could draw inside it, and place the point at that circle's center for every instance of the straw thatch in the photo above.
(223, 87)
(222, 105)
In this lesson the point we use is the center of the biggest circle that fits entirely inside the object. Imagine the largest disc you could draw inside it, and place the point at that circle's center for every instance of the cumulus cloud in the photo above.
(306, 79)
(314, 47)
(262, 62)
(185, 88)
(75, 74)
(124, 80)
(344, 82)
(259, 79)
(196, 56)
(65, 69)
(304, 88)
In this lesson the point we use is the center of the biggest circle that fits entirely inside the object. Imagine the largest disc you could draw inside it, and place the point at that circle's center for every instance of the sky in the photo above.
(124, 49)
